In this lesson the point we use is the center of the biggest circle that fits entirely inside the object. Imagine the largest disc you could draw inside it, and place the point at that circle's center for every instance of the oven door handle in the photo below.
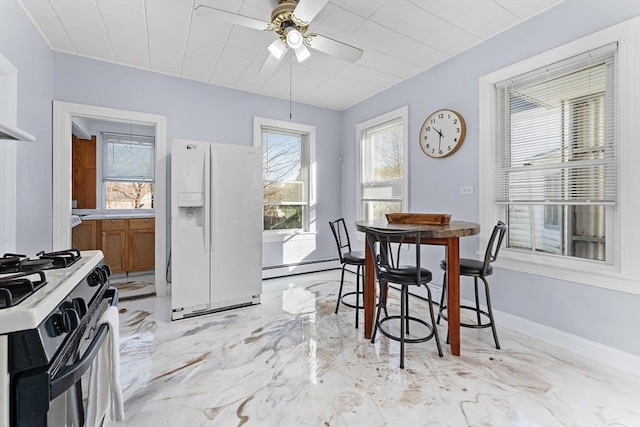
(71, 374)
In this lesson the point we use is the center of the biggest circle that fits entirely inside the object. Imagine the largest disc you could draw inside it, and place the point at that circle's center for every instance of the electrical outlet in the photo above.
(466, 190)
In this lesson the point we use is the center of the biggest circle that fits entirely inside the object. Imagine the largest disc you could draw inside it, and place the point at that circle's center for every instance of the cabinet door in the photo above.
(84, 236)
(114, 244)
(141, 244)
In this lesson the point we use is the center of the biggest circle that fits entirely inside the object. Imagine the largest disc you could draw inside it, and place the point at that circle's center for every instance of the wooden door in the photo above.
(141, 244)
(114, 243)
(83, 172)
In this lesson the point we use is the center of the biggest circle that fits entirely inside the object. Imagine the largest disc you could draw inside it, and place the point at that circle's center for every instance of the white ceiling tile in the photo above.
(439, 34)
(400, 38)
(383, 63)
(369, 75)
(168, 27)
(231, 65)
(525, 9)
(336, 21)
(360, 7)
(127, 37)
(394, 14)
(205, 45)
(42, 13)
(84, 26)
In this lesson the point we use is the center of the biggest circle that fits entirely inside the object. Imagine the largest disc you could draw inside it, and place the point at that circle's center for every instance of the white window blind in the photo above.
(383, 163)
(556, 142)
(128, 157)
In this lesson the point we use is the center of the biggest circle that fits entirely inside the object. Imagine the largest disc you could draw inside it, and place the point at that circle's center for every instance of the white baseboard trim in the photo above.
(293, 269)
(609, 356)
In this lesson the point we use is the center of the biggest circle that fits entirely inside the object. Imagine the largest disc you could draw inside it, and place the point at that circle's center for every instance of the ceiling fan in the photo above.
(290, 21)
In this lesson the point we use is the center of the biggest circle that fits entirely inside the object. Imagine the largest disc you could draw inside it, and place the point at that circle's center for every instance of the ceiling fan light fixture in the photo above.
(294, 38)
(277, 48)
(302, 53)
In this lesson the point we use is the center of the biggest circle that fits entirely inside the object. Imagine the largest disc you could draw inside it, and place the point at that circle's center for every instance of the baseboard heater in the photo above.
(302, 267)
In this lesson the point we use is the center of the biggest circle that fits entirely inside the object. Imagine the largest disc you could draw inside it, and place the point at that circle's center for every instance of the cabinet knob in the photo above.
(146, 220)
(113, 221)
(104, 234)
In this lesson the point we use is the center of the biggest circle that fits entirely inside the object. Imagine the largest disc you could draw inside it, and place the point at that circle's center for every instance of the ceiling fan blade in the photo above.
(270, 65)
(306, 10)
(334, 47)
(230, 18)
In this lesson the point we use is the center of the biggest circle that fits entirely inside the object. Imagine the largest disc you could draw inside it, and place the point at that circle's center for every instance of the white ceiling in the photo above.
(400, 39)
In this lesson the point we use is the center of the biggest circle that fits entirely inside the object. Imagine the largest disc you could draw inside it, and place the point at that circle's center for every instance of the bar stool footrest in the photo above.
(406, 339)
(470, 325)
(358, 304)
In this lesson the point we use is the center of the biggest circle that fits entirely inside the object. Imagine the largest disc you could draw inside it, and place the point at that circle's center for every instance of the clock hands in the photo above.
(439, 139)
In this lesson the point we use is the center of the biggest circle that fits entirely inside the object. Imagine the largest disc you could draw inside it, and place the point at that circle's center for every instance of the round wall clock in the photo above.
(442, 133)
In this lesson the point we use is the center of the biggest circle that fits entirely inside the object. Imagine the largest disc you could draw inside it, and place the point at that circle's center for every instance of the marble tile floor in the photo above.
(134, 286)
(292, 362)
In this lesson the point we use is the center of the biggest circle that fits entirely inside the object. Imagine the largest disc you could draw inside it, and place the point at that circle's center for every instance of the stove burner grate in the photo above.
(17, 287)
(16, 263)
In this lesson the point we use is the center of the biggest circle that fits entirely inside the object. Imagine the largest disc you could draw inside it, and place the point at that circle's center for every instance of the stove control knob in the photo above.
(107, 270)
(93, 279)
(67, 320)
(79, 306)
(102, 275)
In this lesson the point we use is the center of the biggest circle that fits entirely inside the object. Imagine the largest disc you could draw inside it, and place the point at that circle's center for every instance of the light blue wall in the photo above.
(201, 111)
(21, 44)
(607, 317)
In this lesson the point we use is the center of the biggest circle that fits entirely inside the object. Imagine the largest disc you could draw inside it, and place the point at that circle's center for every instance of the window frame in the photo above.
(101, 172)
(401, 113)
(309, 152)
(622, 272)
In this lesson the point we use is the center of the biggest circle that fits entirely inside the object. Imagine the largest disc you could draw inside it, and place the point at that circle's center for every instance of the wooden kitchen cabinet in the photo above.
(84, 236)
(142, 244)
(113, 243)
(128, 244)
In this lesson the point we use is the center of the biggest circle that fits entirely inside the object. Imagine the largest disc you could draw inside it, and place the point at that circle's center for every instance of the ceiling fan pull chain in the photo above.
(290, 83)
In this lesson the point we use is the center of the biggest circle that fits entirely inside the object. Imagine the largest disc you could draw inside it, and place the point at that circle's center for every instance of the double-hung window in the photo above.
(128, 170)
(555, 154)
(556, 170)
(382, 165)
(287, 177)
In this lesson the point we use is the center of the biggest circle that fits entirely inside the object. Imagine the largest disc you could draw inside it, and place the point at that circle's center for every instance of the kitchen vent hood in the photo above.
(12, 133)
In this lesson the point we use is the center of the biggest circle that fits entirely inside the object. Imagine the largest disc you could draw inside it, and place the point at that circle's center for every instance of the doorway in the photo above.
(63, 114)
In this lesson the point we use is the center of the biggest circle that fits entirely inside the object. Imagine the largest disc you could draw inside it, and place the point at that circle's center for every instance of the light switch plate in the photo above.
(466, 190)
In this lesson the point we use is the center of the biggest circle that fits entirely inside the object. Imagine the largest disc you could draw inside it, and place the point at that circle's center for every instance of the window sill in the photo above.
(573, 270)
(287, 235)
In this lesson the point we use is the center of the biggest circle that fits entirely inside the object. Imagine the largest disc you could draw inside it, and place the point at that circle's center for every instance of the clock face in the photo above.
(442, 133)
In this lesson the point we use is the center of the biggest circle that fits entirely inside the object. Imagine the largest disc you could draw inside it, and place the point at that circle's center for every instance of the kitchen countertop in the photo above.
(97, 214)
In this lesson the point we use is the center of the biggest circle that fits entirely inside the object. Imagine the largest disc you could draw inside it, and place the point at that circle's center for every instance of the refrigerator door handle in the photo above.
(207, 201)
(213, 174)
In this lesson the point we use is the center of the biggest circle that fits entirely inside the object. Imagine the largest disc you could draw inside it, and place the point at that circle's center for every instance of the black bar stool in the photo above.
(388, 269)
(478, 270)
(347, 257)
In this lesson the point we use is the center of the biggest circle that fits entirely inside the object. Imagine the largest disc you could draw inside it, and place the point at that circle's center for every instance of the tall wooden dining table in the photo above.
(443, 235)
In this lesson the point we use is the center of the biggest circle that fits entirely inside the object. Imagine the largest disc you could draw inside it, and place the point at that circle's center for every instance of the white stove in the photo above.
(49, 337)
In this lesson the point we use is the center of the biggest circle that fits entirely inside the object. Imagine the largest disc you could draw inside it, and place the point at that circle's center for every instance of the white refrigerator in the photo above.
(216, 227)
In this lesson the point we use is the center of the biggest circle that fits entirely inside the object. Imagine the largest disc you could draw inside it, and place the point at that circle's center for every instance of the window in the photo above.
(557, 159)
(556, 155)
(382, 164)
(128, 170)
(287, 153)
